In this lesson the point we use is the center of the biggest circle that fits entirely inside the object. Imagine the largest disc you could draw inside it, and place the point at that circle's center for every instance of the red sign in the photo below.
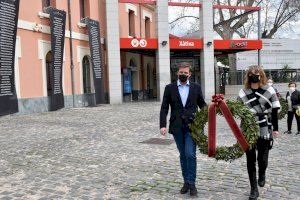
(153, 2)
(138, 43)
(238, 44)
(186, 44)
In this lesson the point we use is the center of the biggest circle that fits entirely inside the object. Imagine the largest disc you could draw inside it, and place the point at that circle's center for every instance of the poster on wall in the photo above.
(58, 24)
(127, 81)
(9, 11)
(93, 27)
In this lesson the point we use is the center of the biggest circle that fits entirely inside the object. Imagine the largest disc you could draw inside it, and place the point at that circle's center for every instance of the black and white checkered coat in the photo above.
(261, 104)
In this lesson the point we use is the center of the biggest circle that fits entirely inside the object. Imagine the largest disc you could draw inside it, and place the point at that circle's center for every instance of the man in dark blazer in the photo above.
(184, 97)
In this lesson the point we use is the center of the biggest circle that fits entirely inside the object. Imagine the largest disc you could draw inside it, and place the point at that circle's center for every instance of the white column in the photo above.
(163, 54)
(207, 54)
(113, 52)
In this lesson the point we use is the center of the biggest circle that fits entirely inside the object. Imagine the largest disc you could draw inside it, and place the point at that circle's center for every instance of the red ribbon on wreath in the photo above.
(218, 102)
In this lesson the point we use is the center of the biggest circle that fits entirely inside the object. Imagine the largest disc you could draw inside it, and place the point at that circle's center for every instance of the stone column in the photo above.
(163, 54)
(113, 51)
(207, 54)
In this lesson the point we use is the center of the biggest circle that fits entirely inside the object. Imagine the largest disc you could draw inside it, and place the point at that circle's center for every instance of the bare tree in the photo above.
(278, 14)
(227, 23)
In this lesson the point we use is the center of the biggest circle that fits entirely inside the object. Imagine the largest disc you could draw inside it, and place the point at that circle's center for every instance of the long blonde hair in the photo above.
(254, 69)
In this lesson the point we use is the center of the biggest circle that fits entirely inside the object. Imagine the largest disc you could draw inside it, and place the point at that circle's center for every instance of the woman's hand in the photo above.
(163, 131)
(275, 134)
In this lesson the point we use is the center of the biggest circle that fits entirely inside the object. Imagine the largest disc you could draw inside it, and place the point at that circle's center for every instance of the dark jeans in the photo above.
(290, 120)
(262, 148)
(187, 150)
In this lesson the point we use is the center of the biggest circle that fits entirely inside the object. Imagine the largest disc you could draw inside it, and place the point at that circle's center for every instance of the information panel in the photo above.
(9, 10)
(58, 24)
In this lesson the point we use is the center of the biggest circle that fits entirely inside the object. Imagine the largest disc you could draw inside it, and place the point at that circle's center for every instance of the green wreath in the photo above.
(284, 108)
(249, 127)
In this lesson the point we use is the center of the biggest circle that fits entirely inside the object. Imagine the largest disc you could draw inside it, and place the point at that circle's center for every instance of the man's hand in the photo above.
(275, 134)
(163, 131)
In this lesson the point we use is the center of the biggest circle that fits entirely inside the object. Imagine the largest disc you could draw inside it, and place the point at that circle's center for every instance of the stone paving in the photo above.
(96, 153)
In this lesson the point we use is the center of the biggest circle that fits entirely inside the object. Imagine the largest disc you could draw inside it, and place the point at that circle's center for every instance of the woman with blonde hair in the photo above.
(262, 101)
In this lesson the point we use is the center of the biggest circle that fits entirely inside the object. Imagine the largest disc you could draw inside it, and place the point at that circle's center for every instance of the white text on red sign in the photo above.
(186, 44)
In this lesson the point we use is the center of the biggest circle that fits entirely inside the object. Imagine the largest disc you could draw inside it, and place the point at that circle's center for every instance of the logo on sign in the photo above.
(135, 43)
(143, 43)
(238, 44)
(186, 44)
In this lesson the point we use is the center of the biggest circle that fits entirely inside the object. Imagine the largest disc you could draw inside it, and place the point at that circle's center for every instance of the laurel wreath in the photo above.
(249, 128)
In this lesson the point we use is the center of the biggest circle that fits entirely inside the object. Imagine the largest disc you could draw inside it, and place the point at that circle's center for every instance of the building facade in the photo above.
(33, 54)
(138, 55)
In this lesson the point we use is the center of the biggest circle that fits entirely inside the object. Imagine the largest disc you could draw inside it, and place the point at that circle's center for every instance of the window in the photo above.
(86, 75)
(47, 3)
(132, 64)
(147, 27)
(131, 23)
(84, 8)
(49, 72)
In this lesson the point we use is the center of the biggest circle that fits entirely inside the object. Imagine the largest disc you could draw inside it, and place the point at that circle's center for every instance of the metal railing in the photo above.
(278, 76)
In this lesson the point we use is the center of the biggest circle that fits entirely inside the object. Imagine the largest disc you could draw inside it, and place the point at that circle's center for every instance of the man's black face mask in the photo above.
(183, 78)
(254, 78)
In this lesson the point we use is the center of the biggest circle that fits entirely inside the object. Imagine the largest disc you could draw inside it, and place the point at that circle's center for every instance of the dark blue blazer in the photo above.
(180, 114)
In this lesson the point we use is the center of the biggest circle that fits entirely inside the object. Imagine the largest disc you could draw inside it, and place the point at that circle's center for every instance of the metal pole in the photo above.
(71, 52)
(259, 35)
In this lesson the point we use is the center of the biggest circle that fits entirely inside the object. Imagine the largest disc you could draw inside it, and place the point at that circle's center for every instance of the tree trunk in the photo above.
(233, 79)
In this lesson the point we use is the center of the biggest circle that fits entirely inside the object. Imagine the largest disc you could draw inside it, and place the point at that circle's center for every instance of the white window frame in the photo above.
(129, 6)
(147, 14)
(18, 55)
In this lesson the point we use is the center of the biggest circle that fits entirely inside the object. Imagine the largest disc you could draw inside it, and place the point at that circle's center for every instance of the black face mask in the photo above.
(254, 78)
(183, 78)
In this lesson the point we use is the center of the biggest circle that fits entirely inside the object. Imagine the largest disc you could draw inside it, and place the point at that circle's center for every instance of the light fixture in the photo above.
(164, 43)
(208, 44)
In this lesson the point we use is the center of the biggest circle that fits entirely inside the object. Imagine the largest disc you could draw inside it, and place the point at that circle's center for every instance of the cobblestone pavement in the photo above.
(96, 153)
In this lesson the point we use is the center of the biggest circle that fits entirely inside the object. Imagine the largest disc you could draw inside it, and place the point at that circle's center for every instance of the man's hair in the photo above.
(292, 82)
(184, 65)
(254, 70)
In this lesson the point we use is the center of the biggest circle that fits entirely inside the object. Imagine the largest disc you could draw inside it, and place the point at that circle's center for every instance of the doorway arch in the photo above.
(49, 73)
(86, 75)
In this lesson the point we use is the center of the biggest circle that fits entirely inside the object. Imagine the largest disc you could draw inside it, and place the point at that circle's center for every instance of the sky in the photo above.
(293, 34)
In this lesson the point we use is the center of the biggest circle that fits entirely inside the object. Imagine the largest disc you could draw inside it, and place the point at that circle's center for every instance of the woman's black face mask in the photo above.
(254, 78)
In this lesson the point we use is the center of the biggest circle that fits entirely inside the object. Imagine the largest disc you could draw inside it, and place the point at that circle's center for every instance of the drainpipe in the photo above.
(71, 53)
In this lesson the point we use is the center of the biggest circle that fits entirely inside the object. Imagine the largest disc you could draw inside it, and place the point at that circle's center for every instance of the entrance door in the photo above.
(149, 90)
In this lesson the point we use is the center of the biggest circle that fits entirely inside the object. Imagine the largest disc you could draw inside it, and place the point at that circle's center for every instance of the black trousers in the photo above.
(290, 120)
(262, 148)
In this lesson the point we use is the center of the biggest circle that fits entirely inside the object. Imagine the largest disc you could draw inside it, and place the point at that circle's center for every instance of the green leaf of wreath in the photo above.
(284, 108)
(249, 128)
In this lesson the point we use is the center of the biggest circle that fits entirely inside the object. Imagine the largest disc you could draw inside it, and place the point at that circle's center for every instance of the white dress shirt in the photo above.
(183, 91)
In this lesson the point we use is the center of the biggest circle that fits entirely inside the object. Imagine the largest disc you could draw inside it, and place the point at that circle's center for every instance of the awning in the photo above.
(220, 46)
